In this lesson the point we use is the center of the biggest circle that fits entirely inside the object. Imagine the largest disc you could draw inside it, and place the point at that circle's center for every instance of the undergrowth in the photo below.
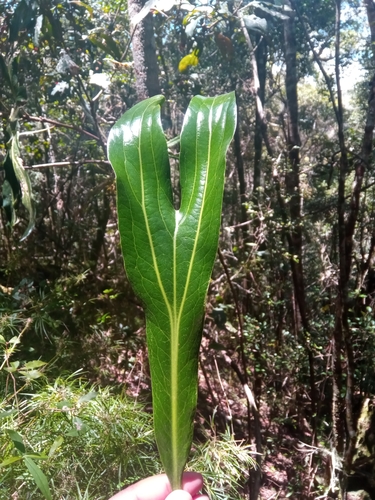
(89, 443)
(63, 438)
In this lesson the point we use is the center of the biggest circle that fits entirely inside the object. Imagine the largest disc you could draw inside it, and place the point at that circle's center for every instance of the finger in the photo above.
(152, 488)
(179, 495)
(158, 488)
(192, 482)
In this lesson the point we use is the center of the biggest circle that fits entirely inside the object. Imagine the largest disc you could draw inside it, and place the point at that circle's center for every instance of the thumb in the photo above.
(179, 495)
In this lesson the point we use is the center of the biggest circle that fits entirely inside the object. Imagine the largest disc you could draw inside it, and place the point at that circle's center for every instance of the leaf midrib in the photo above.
(175, 345)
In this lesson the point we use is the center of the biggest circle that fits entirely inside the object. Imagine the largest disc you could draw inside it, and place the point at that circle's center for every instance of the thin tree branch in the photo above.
(256, 83)
(42, 119)
(66, 164)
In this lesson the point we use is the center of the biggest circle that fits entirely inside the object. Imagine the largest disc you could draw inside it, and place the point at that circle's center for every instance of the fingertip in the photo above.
(151, 488)
(179, 495)
(192, 482)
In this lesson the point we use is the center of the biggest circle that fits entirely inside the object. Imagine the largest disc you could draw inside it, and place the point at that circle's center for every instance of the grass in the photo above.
(90, 442)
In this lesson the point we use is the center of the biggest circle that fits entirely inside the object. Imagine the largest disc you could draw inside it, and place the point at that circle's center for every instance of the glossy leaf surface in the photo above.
(169, 253)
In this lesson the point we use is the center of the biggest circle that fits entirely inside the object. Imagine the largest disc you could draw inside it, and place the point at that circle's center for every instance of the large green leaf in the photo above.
(169, 253)
(39, 477)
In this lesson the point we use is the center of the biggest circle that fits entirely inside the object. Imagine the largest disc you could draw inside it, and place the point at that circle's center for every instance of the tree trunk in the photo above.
(241, 176)
(144, 54)
(261, 61)
(347, 245)
(342, 295)
(292, 181)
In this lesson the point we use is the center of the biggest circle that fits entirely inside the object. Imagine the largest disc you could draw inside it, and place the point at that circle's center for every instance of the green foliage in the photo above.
(169, 253)
(88, 438)
(90, 443)
(222, 481)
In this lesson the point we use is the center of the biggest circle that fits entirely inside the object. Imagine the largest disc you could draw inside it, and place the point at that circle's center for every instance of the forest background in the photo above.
(287, 367)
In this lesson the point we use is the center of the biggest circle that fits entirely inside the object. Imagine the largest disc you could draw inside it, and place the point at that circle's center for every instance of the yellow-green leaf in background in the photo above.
(84, 5)
(23, 178)
(189, 60)
(17, 183)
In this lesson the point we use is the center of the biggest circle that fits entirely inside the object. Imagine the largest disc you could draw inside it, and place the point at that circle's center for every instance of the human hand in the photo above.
(158, 488)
